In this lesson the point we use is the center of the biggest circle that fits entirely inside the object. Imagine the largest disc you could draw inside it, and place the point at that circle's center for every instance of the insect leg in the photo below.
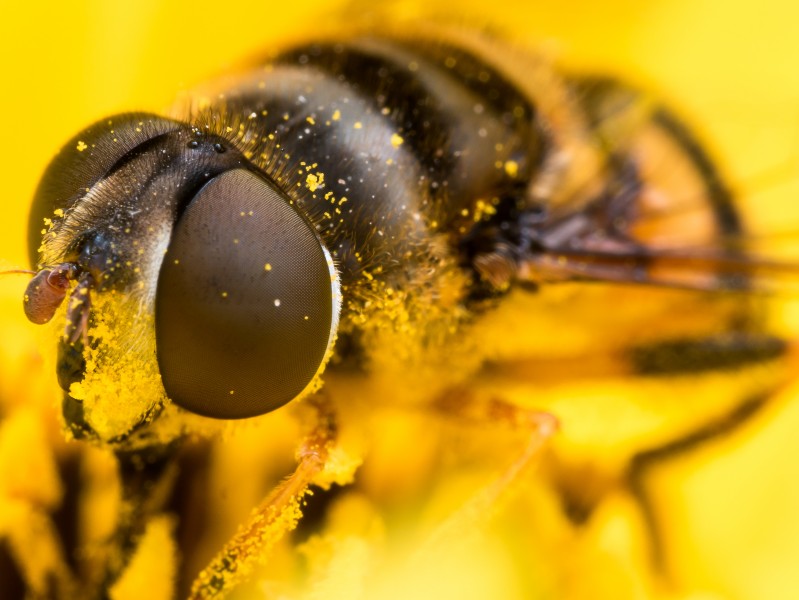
(643, 461)
(274, 517)
(539, 426)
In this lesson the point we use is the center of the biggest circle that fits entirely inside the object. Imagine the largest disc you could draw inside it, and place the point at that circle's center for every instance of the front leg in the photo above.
(277, 515)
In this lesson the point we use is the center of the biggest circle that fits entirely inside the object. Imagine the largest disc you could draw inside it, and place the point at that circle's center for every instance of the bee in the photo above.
(372, 218)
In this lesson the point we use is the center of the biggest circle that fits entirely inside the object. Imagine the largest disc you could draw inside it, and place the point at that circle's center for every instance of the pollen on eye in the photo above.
(511, 168)
(267, 267)
(224, 294)
(315, 181)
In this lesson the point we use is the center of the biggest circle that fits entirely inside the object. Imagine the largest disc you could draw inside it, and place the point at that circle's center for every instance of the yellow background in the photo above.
(731, 67)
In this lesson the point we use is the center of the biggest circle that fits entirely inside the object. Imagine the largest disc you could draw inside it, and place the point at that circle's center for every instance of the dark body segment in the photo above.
(413, 136)
(429, 142)
(438, 175)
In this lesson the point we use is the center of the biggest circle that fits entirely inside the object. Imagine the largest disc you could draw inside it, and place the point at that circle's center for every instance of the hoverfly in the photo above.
(387, 204)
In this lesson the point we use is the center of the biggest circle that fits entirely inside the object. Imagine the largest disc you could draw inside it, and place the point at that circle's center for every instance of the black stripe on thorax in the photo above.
(383, 74)
(446, 103)
(497, 92)
(297, 136)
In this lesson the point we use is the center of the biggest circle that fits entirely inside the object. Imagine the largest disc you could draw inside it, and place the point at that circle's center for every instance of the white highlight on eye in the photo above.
(152, 268)
(335, 288)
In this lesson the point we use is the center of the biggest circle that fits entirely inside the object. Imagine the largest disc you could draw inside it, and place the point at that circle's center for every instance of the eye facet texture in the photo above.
(246, 301)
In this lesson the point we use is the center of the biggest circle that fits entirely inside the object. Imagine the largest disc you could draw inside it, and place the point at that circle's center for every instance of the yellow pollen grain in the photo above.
(336, 115)
(81, 146)
(314, 181)
(224, 294)
(511, 168)
(311, 120)
(396, 140)
(58, 212)
(357, 125)
(267, 267)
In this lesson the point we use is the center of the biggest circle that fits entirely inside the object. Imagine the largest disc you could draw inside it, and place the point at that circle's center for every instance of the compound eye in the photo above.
(84, 160)
(246, 303)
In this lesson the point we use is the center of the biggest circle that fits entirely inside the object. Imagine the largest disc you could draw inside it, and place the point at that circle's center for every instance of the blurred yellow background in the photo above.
(729, 67)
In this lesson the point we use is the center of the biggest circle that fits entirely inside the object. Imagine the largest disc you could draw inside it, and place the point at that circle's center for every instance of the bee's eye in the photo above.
(247, 301)
(87, 158)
